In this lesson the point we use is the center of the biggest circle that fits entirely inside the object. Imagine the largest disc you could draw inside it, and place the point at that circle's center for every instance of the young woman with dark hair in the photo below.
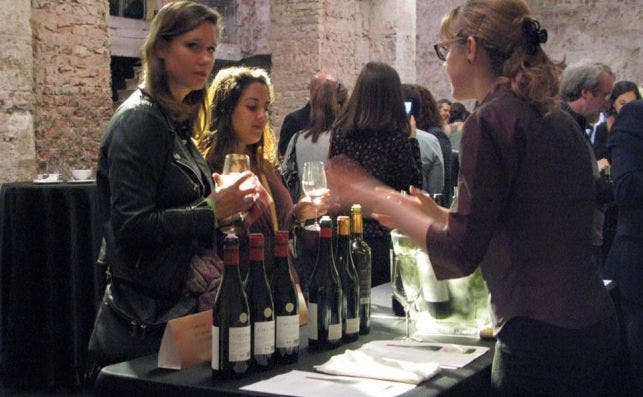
(374, 131)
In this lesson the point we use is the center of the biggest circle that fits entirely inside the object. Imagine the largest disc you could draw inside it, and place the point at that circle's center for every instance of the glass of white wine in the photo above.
(233, 166)
(405, 279)
(313, 183)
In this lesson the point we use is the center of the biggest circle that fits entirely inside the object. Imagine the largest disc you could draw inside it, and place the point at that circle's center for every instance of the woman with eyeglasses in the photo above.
(524, 209)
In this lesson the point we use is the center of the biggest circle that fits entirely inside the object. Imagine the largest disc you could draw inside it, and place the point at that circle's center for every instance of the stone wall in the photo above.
(55, 98)
(338, 37)
(579, 31)
(71, 79)
(17, 154)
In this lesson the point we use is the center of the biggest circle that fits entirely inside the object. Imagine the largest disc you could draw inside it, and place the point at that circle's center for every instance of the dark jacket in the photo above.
(295, 121)
(626, 255)
(152, 184)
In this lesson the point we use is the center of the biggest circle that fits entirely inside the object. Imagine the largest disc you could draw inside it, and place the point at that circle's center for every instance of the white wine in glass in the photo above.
(313, 183)
(233, 166)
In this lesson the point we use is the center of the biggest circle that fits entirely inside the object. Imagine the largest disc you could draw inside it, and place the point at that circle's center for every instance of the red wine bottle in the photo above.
(325, 295)
(262, 316)
(349, 281)
(361, 255)
(284, 296)
(230, 319)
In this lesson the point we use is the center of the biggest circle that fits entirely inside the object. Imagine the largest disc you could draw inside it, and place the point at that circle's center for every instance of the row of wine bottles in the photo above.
(339, 293)
(256, 325)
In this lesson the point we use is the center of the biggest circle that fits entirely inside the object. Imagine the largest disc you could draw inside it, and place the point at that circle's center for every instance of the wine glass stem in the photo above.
(407, 314)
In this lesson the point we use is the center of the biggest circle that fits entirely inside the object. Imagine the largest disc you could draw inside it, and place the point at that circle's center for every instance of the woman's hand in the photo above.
(235, 198)
(413, 127)
(305, 208)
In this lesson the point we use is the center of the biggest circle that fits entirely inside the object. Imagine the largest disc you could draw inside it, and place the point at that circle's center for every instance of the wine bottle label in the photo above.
(287, 331)
(312, 322)
(239, 344)
(281, 250)
(215, 348)
(334, 332)
(290, 307)
(352, 325)
(433, 290)
(264, 337)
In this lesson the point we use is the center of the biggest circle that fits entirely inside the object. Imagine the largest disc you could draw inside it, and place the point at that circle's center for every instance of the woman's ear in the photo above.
(472, 49)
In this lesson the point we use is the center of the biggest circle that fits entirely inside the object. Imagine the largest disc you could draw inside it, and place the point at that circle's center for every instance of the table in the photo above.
(140, 377)
(49, 284)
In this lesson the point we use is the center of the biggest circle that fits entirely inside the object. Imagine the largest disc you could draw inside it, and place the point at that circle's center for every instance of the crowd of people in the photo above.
(519, 187)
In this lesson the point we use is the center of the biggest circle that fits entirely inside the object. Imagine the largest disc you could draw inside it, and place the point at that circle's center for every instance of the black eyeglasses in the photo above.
(442, 49)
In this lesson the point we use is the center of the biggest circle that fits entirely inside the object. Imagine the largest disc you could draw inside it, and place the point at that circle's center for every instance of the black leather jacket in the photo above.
(152, 185)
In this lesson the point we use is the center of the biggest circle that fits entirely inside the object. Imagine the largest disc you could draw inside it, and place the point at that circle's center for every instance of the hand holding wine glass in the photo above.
(234, 166)
(313, 183)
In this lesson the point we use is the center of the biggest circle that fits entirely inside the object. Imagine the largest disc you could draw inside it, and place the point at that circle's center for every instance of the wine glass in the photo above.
(233, 165)
(405, 278)
(313, 183)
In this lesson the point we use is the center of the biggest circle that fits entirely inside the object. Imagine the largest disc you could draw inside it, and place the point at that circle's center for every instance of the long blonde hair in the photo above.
(512, 41)
(223, 96)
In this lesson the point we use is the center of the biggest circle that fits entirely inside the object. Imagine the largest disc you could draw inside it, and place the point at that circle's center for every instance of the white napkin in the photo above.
(359, 364)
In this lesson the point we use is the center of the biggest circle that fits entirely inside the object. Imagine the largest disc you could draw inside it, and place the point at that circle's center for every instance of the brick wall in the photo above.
(71, 79)
(54, 58)
(16, 93)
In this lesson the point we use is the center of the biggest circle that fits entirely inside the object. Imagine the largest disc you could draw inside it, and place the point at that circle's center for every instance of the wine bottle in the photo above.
(262, 316)
(286, 305)
(434, 291)
(230, 319)
(325, 295)
(361, 255)
(349, 280)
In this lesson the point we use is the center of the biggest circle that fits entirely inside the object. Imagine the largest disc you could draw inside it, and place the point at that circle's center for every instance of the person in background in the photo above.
(524, 209)
(444, 109)
(300, 118)
(155, 191)
(374, 131)
(240, 102)
(585, 90)
(623, 93)
(429, 120)
(313, 145)
(430, 151)
(458, 115)
(626, 254)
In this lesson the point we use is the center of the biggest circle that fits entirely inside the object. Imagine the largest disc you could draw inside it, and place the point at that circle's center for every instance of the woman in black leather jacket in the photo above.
(156, 195)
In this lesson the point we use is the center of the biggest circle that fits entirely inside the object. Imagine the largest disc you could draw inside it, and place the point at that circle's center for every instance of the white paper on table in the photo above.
(313, 384)
(449, 356)
(360, 364)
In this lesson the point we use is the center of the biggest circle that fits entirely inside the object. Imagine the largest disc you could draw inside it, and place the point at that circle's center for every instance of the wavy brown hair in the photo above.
(173, 20)
(329, 99)
(511, 38)
(428, 114)
(224, 94)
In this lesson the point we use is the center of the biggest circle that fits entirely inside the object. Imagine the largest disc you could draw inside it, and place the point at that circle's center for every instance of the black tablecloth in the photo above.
(141, 377)
(50, 286)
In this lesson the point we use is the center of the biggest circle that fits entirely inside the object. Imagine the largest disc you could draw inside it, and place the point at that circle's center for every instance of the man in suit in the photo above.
(585, 90)
(625, 258)
(300, 118)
